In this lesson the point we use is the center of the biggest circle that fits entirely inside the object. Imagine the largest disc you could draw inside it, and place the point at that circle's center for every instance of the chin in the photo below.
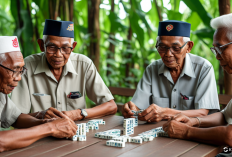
(228, 70)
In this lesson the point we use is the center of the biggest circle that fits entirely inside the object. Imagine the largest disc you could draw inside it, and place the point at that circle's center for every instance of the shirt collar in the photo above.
(43, 67)
(188, 68)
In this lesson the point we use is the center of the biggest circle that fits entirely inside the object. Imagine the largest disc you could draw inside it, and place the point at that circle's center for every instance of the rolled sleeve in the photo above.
(96, 89)
(143, 93)
(10, 114)
(227, 112)
(206, 94)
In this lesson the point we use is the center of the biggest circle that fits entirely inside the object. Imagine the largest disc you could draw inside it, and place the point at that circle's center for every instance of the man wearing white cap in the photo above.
(215, 128)
(11, 69)
(58, 78)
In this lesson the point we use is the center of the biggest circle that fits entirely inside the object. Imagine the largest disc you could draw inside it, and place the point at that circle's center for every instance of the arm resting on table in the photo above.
(20, 138)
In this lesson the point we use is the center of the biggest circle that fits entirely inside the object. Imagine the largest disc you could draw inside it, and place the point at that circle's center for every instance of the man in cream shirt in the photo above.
(58, 78)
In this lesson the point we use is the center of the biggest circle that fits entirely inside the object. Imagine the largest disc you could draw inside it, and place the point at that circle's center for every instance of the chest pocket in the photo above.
(43, 103)
(73, 104)
(187, 104)
(162, 102)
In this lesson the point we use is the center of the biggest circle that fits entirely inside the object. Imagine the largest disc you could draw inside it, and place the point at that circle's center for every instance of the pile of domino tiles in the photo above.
(83, 128)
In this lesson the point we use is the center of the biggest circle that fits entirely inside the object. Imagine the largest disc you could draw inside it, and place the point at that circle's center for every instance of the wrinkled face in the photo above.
(58, 59)
(174, 60)
(225, 58)
(14, 61)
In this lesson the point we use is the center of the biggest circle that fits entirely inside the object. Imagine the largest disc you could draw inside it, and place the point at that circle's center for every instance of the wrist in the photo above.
(50, 127)
(195, 122)
(170, 112)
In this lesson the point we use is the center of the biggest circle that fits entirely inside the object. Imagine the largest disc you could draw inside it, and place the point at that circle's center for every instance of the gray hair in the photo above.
(2, 58)
(223, 21)
(46, 36)
(185, 39)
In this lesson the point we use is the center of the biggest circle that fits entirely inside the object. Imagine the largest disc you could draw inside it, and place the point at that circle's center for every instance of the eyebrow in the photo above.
(52, 44)
(171, 44)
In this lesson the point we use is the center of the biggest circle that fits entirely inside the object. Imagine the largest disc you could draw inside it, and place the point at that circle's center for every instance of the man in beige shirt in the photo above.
(56, 72)
(216, 128)
(11, 69)
(178, 82)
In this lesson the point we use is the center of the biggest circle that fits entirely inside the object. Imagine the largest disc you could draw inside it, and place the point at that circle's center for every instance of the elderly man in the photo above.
(61, 79)
(214, 128)
(179, 82)
(11, 69)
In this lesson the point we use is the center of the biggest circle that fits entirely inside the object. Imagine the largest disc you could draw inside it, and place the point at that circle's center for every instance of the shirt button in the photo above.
(174, 106)
(174, 90)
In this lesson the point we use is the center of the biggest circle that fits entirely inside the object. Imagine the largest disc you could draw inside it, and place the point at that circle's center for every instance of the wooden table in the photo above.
(161, 146)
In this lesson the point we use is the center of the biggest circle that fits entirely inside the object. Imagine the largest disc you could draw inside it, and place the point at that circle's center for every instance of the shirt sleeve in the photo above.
(227, 112)
(143, 93)
(10, 113)
(206, 95)
(21, 95)
(96, 89)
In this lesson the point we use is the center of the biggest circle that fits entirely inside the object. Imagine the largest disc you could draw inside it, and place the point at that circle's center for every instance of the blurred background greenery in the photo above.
(118, 35)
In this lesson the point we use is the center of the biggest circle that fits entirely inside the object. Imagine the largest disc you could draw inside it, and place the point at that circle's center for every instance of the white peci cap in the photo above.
(9, 44)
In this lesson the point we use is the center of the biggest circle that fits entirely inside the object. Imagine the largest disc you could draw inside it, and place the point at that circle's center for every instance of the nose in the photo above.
(218, 56)
(58, 53)
(18, 78)
(168, 53)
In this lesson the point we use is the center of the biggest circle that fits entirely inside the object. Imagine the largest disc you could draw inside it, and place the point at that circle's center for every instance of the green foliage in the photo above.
(136, 53)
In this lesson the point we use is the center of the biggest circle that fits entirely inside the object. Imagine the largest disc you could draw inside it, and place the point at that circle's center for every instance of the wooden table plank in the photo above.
(203, 150)
(46, 144)
(149, 147)
(111, 122)
(100, 149)
(174, 149)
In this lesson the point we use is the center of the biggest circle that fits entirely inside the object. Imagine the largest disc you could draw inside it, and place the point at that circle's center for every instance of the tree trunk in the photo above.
(71, 10)
(112, 46)
(224, 8)
(94, 30)
(158, 10)
(128, 65)
(56, 9)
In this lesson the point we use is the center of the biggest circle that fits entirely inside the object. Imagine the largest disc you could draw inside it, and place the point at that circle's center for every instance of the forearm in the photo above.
(26, 121)
(189, 113)
(214, 135)
(216, 119)
(104, 109)
(23, 137)
(33, 114)
(98, 111)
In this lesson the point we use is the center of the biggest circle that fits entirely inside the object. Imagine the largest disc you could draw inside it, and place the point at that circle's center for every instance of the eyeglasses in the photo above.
(219, 49)
(173, 49)
(53, 49)
(16, 73)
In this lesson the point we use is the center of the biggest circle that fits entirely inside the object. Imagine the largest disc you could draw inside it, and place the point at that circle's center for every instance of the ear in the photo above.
(74, 44)
(190, 46)
(41, 44)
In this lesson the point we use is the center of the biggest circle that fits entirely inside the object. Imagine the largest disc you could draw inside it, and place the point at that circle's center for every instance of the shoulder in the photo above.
(155, 64)
(33, 58)
(197, 60)
(76, 57)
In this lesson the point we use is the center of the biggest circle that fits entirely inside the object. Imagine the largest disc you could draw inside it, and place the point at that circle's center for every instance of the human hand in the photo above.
(74, 114)
(52, 113)
(63, 127)
(126, 109)
(153, 113)
(176, 129)
(180, 117)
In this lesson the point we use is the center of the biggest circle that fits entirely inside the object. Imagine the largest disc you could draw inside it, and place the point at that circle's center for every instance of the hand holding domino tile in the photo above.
(154, 113)
(127, 109)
